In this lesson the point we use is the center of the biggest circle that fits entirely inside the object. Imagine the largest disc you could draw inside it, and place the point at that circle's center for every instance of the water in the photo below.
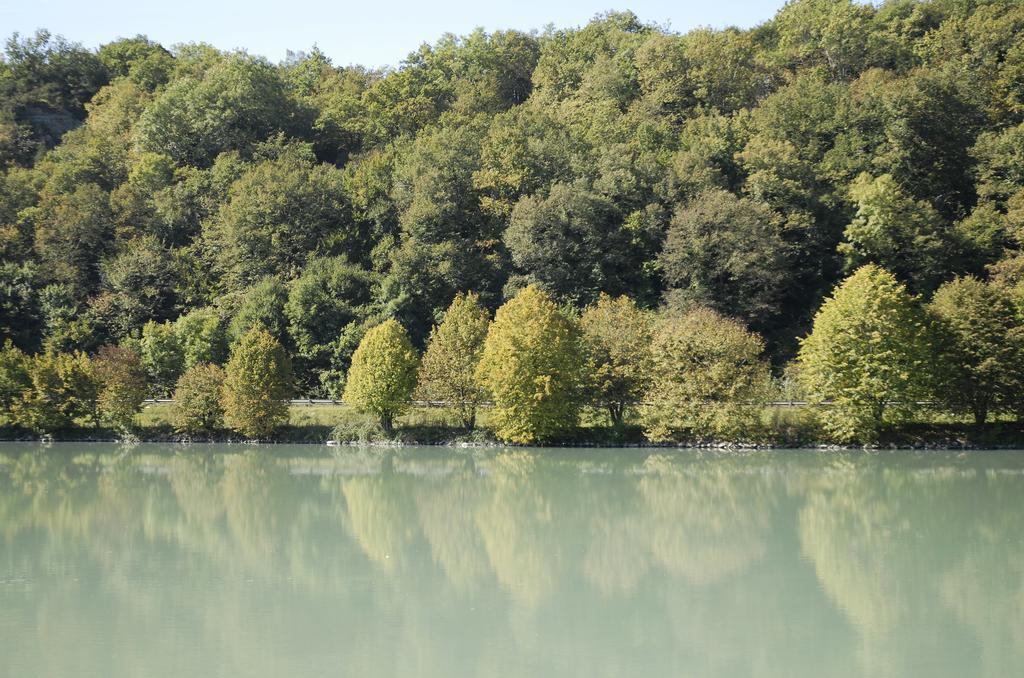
(293, 561)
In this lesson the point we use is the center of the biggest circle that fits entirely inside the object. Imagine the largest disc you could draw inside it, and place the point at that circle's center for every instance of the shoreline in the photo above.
(936, 446)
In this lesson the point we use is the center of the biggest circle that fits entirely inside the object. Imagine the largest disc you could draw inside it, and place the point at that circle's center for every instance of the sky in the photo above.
(370, 32)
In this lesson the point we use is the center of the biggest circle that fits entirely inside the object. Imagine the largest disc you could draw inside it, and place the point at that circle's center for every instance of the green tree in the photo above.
(62, 392)
(983, 348)
(870, 355)
(531, 366)
(448, 369)
(14, 376)
(257, 385)
(202, 337)
(262, 305)
(383, 373)
(281, 210)
(896, 232)
(725, 252)
(707, 378)
(197, 399)
(139, 282)
(571, 243)
(161, 356)
(329, 297)
(218, 103)
(617, 342)
(72, 232)
(122, 385)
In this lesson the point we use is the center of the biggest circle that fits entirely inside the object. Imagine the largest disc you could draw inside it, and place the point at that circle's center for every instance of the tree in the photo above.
(617, 343)
(330, 296)
(202, 337)
(706, 378)
(571, 243)
(896, 232)
(72, 232)
(448, 370)
(982, 348)
(62, 391)
(531, 366)
(218, 103)
(140, 282)
(122, 385)
(161, 356)
(383, 373)
(279, 212)
(257, 385)
(262, 305)
(14, 375)
(197, 399)
(869, 356)
(724, 252)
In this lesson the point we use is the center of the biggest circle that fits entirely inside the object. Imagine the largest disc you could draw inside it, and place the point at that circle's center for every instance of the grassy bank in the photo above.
(317, 424)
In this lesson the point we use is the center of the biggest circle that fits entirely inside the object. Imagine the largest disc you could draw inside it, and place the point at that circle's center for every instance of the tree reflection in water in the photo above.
(432, 562)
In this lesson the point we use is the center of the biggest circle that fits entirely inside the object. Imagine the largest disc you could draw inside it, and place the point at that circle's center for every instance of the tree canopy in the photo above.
(746, 171)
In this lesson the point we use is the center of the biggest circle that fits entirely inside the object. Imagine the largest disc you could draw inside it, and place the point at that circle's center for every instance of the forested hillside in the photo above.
(745, 170)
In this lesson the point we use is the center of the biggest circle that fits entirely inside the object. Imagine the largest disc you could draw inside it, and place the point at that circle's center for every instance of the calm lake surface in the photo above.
(305, 561)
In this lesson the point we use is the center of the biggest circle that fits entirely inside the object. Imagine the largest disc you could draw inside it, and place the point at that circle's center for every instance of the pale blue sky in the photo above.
(373, 33)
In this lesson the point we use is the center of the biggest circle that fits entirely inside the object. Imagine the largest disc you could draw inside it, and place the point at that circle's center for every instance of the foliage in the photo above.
(895, 232)
(202, 337)
(617, 342)
(262, 305)
(531, 367)
(257, 385)
(706, 378)
(14, 375)
(448, 369)
(331, 297)
(725, 253)
(745, 170)
(869, 356)
(383, 373)
(161, 356)
(197, 399)
(122, 385)
(62, 391)
(982, 352)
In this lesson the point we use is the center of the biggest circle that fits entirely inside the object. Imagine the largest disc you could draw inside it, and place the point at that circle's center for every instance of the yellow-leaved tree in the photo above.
(870, 355)
(257, 385)
(383, 373)
(448, 370)
(531, 366)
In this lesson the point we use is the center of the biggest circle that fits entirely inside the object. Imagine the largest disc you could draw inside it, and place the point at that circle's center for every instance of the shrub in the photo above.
(531, 365)
(448, 370)
(707, 378)
(257, 385)
(383, 373)
(197, 399)
(122, 385)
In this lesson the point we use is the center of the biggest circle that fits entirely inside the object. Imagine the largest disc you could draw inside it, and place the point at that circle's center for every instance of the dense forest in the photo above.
(147, 189)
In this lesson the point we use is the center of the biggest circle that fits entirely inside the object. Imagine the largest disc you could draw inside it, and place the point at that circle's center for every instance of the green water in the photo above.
(296, 561)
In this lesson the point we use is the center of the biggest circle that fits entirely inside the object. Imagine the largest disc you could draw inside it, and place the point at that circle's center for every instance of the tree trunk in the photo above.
(615, 413)
(387, 422)
(980, 415)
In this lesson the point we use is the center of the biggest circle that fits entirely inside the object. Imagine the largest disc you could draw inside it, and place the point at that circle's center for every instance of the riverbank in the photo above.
(340, 425)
